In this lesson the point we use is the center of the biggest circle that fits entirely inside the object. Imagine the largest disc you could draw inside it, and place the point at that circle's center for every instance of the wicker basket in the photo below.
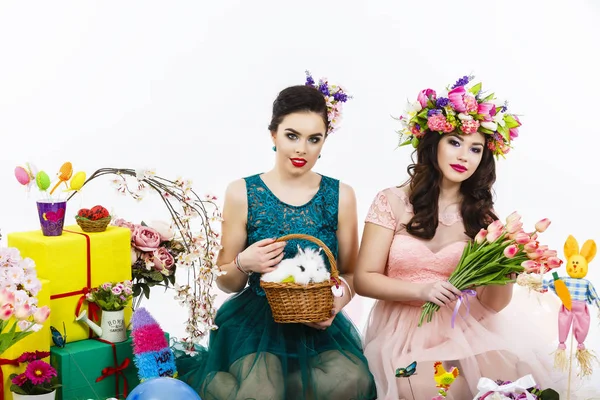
(297, 303)
(87, 225)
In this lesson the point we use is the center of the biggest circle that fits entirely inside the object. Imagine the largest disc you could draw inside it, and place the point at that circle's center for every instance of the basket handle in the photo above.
(328, 253)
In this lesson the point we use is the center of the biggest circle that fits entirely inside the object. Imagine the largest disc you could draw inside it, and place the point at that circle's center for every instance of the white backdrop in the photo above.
(186, 88)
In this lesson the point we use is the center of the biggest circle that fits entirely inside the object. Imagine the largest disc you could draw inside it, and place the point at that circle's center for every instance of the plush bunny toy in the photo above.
(576, 293)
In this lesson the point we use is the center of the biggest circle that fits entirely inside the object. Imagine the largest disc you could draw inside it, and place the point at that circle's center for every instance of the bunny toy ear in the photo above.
(320, 250)
(300, 251)
(588, 250)
(571, 247)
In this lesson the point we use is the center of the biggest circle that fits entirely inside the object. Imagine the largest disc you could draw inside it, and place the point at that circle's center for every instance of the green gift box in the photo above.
(87, 369)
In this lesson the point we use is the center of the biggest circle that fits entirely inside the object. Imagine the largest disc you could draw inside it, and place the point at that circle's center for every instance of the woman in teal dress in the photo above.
(250, 356)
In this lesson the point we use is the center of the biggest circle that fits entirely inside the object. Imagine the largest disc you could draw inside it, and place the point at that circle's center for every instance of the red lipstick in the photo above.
(459, 168)
(298, 162)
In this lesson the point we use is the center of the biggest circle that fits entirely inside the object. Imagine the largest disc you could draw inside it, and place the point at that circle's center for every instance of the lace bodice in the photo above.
(269, 217)
(411, 258)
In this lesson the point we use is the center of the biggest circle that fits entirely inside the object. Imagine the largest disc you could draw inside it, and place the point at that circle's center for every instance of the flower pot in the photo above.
(52, 216)
(112, 324)
(46, 396)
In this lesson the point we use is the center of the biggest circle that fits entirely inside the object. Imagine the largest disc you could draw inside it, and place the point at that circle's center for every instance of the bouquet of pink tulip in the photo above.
(495, 254)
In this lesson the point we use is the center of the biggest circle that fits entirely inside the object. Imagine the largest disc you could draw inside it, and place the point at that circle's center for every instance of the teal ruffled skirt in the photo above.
(250, 356)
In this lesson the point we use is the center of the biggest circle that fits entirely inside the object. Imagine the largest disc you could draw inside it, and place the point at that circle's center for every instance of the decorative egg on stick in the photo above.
(64, 174)
(77, 182)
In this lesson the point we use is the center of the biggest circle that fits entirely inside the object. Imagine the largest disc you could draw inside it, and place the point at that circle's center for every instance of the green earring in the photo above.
(274, 148)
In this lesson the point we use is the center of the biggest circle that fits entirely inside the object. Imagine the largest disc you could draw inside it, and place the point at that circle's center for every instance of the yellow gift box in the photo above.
(39, 340)
(76, 262)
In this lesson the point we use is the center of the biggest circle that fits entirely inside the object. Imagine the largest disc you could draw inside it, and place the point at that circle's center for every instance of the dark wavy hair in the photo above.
(425, 179)
(300, 98)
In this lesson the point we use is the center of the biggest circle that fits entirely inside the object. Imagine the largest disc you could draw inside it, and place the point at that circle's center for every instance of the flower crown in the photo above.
(334, 96)
(465, 111)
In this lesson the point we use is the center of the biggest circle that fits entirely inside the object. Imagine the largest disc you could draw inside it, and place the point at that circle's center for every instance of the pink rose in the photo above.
(164, 229)
(124, 224)
(456, 97)
(425, 95)
(162, 259)
(145, 238)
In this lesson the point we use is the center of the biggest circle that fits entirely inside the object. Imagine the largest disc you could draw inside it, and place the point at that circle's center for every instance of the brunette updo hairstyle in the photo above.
(300, 98)
(425, 179)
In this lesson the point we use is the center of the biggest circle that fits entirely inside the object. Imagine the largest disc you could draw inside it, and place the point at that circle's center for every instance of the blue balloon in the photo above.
(163, 388)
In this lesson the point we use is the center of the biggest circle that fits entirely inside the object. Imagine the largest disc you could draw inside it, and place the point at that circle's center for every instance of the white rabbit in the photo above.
(305, 267)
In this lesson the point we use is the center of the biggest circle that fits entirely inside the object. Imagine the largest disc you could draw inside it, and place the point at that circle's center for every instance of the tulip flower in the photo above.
(456, 97)
(522, 238)
(554, 262)
(492, 126)
(6, 311)
(41, 315)
(485, 109)
(542, 225)
(530, 266)
(514, 227)
(496, 226)
(492, 236)
(514, 216)
(511, 251)
(480, 238)
(424, 96)
(531, 246)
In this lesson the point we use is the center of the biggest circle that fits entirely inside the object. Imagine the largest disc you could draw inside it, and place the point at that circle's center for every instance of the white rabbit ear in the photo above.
(319, 251)
(300, 251)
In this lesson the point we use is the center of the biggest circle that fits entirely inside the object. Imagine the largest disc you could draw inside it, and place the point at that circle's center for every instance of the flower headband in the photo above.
(334, 96)
(465, 111)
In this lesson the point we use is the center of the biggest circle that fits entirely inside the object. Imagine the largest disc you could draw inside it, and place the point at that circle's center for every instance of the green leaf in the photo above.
(485, 130)
(146, 290)
(136, 291)
(406, 142)
(423, 113)
(156, 276)
(503, 130)
(475, 89)
(415, 142)
(488, 98)
(511, 122)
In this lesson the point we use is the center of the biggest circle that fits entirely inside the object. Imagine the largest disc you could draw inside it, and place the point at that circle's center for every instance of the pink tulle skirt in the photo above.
(506, 346)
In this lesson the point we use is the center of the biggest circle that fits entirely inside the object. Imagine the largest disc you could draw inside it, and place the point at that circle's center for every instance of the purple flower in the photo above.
(339, 96)
(461, 82)
(324, 89)
(310, 81)
(433, 111)
(442, 102)
(418, 127)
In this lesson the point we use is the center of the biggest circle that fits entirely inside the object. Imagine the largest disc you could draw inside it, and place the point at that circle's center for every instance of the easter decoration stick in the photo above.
(576, 293)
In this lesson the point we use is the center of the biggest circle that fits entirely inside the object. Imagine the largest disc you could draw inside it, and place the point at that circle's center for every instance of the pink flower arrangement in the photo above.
(19, 287)
(464, 111)
(111, 296)
(495, 253)
(153, 255)
(39, 376)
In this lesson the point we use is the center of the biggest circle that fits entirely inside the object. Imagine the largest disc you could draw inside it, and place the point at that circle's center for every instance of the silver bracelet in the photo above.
(239, 266)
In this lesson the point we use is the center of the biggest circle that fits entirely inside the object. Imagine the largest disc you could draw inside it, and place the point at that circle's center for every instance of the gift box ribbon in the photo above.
(464, 298)
(6, 361)
(487, 386)
(117, 370)
(92, 307)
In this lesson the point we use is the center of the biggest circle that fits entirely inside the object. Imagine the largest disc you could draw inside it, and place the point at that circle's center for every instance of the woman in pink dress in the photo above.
(413, 238)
